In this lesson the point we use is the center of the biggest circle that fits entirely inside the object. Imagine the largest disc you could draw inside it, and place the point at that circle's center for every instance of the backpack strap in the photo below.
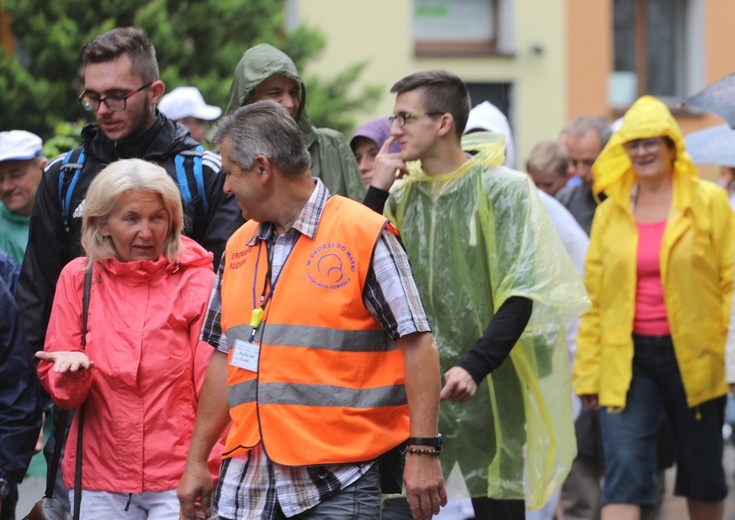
(70, 171)
(195, 166)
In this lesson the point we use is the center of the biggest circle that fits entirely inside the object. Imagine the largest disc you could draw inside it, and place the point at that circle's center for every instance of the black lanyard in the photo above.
(258, 311)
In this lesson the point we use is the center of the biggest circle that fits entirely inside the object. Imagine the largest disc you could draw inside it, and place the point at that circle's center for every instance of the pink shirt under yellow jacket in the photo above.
(142, 394)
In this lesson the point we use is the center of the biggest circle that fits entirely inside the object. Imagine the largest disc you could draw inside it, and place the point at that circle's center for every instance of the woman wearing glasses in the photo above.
(659, 273)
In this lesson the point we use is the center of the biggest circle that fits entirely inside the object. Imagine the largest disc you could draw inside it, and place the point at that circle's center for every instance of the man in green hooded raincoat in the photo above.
(264, 72)
(498, 287)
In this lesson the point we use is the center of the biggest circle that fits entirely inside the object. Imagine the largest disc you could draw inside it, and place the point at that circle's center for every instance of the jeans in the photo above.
(358, 501)
(629, 436)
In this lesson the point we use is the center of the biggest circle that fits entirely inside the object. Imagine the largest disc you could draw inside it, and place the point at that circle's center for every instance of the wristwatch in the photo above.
(4, 488)
(434, 442)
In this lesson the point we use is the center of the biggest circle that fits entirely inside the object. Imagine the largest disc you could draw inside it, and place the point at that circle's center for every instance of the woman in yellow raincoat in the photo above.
(659, 273)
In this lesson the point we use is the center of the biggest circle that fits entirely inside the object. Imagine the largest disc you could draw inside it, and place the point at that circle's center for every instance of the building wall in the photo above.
(589, 42)
(568, 78)
(380, 32)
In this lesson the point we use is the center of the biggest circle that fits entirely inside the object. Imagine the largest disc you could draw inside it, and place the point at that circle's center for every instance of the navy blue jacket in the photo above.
(20, 413)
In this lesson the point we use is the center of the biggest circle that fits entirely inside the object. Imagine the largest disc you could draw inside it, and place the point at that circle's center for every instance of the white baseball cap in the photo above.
(19, 145)
(184, 102)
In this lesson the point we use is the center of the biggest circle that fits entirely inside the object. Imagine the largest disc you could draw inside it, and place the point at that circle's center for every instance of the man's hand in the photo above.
(196, 483)
(66, 361)
(386, 165)
(459, 385)
(424, 485)
(732, 389)
(590, 401)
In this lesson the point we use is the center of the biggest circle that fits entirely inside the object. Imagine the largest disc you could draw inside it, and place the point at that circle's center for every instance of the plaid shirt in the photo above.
(251, 486)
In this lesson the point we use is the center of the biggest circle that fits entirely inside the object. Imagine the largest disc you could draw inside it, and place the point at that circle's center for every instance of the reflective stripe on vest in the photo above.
(330, 382)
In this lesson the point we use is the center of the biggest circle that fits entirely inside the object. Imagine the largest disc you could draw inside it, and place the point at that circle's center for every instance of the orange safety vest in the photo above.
(329, 386)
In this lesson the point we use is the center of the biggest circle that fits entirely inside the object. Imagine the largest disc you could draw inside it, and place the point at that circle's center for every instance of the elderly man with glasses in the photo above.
(121, 89)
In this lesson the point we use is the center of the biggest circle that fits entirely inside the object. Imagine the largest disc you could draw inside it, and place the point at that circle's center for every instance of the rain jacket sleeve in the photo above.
(334, 163)
(70, 389)
(20, 415)
(475, 238)
(202, 351)
(586, 363)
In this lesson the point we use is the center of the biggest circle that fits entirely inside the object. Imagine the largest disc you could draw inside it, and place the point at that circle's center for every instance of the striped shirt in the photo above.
(253, 487)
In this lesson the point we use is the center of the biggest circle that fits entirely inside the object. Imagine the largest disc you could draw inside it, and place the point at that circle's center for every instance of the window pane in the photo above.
(453, 21)
(665, 58)
(623, 84)
(624, 35)
(666, 47)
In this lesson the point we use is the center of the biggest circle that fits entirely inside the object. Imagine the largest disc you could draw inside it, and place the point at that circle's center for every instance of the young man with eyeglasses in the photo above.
(121, 89)
(497, 286)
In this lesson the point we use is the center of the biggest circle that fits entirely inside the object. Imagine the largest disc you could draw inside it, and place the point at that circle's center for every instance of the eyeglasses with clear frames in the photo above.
(405, 117)
(646, 145)
(114, 102)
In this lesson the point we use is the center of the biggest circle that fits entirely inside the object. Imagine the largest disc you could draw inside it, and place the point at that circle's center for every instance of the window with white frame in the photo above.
(657, 50)
(461, 26)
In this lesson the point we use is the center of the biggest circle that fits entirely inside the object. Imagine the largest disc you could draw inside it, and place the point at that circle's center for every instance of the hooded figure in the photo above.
(515, 438)
(659, 272)
(366, 142)
(331, 158)
(487, 117)
(698, 234)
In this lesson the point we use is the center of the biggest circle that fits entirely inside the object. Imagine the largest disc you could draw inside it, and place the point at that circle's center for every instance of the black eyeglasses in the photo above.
(114, 102)
(405, 117)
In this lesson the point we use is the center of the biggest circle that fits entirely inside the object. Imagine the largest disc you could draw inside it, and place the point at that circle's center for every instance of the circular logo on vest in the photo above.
(330, 266)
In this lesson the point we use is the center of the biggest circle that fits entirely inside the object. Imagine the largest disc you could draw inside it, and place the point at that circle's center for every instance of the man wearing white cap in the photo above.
(21, 167)
(186, 106)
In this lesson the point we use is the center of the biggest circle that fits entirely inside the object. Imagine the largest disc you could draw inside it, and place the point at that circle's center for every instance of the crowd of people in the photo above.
(451, 337)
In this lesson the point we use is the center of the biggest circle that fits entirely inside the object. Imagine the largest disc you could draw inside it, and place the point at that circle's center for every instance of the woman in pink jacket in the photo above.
(141, 374)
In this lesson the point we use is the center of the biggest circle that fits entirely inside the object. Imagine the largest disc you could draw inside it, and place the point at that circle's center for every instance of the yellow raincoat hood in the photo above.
(648, 117)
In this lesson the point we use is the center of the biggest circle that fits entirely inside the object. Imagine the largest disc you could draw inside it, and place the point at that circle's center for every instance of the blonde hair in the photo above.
(548, 156)
(104, 192)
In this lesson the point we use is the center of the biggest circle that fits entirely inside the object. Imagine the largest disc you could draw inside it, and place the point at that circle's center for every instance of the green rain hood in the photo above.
(331, 158)
(476, 237)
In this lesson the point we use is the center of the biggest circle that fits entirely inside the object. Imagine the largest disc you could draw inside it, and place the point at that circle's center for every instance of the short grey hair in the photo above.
(264, 128)
(601, 126)
(104, 192)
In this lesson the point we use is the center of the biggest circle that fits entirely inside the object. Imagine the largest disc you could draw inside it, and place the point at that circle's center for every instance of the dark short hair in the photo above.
(121, 41)
(441, 91)
(264, 128)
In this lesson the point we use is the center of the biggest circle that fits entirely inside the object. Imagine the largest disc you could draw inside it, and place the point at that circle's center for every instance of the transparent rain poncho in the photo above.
(476, 237)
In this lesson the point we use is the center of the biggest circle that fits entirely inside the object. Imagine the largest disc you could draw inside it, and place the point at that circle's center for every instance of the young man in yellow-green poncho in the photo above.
(498, 288)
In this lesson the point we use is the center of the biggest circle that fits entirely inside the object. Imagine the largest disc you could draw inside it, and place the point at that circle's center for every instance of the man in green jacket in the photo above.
(264, 72)
(21, 166)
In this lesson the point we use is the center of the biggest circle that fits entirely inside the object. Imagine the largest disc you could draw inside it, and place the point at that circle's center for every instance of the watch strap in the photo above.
(434, 442)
